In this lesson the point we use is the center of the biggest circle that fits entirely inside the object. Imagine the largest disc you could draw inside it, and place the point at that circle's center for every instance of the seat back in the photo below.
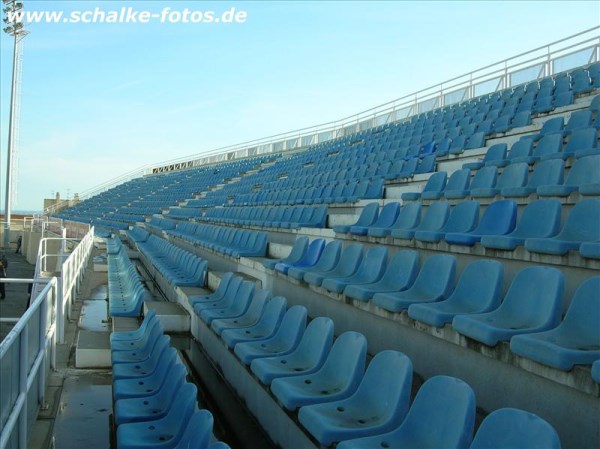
(409, 216)
(585, 170)
(388, 215)
(509, 427)
(313, 253)
(316, 341)
(198, 431)
(584, 310)
(579, 119)
(583, 223)
(292, 327)
(539, 219)
(436, 277)
(479, 286)
(350, 259)
(499, 218)
(402, 270)
(386, 385)
(329, 257)
(373, 264)
(436, 216)
(436, 182)
(515, 175)
(521, 148)
(442, 414)
(495, 153)
(549, 144)
(485, 178)
(534, 298)
(298, 250)
(582, 139)
(346, 360)
(368, 215)
(550, 172)
(272, 315)
(463, 217)
(459, 180)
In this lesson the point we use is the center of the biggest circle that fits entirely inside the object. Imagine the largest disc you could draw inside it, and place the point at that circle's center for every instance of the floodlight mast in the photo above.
(17, 30)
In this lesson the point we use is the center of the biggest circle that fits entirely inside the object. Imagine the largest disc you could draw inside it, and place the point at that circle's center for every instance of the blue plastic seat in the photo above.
(249, 318)
(349, 261)
(308, 357)
(297, 252)
(435, 218)
(129, 336)
(140, 351)
(578, 120)
(264, 328)
(441, 416)
(596, 371)
(137, 387)
(198, 431)
(576, 341)
(434, 282)
(520, 151)
(337, 379)
(283, 341)
(463, 218)
(408, 218)
(432, 189)
(367, 217)
(533, 303)
(545, 173)
(220, 292)
(496, 152)
(583, 225)
(584, 177)
(327, 260)
(499, 218)
(484, 178)
(227, 309)
(478, 290)
(513, 176)
(540, 219)
(370, 270)
(148, 408)
(378, 405)
(165, 432)
(513, 428)
(591, 250)
(149, 351)
(457, 183)
(309, 259)
(400, 274)
(386, 219)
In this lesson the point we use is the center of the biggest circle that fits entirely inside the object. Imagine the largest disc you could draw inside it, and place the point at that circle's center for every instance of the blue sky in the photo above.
(100, 100)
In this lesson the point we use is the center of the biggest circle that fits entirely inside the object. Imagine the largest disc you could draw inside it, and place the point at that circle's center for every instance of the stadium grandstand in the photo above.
(423, 274)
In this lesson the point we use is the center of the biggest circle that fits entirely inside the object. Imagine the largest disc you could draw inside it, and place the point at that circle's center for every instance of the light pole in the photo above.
(17, 30)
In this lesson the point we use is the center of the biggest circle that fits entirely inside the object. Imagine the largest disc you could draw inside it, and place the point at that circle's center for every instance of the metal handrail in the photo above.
(19, 335)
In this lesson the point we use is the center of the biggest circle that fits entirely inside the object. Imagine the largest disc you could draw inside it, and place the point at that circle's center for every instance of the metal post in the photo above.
(23, 372)
(10, 149)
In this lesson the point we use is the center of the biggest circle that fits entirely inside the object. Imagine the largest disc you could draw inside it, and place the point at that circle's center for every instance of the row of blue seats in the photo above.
(222, 239)
(126, 292)
(334, 192)
(179, 267)
(514, 181)
(183, 212)
(154, 405)
(538, 229)
(137, 235)
(290, 217)
(532, 304)
(336, 399)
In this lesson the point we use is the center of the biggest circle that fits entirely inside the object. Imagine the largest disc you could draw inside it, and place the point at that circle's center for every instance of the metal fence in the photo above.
(26, 355)
(28, 351)
(556, 57)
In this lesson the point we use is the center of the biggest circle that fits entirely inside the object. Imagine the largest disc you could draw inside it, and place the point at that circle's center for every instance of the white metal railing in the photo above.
(565, 54)
(24, 362)
(72, 269)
